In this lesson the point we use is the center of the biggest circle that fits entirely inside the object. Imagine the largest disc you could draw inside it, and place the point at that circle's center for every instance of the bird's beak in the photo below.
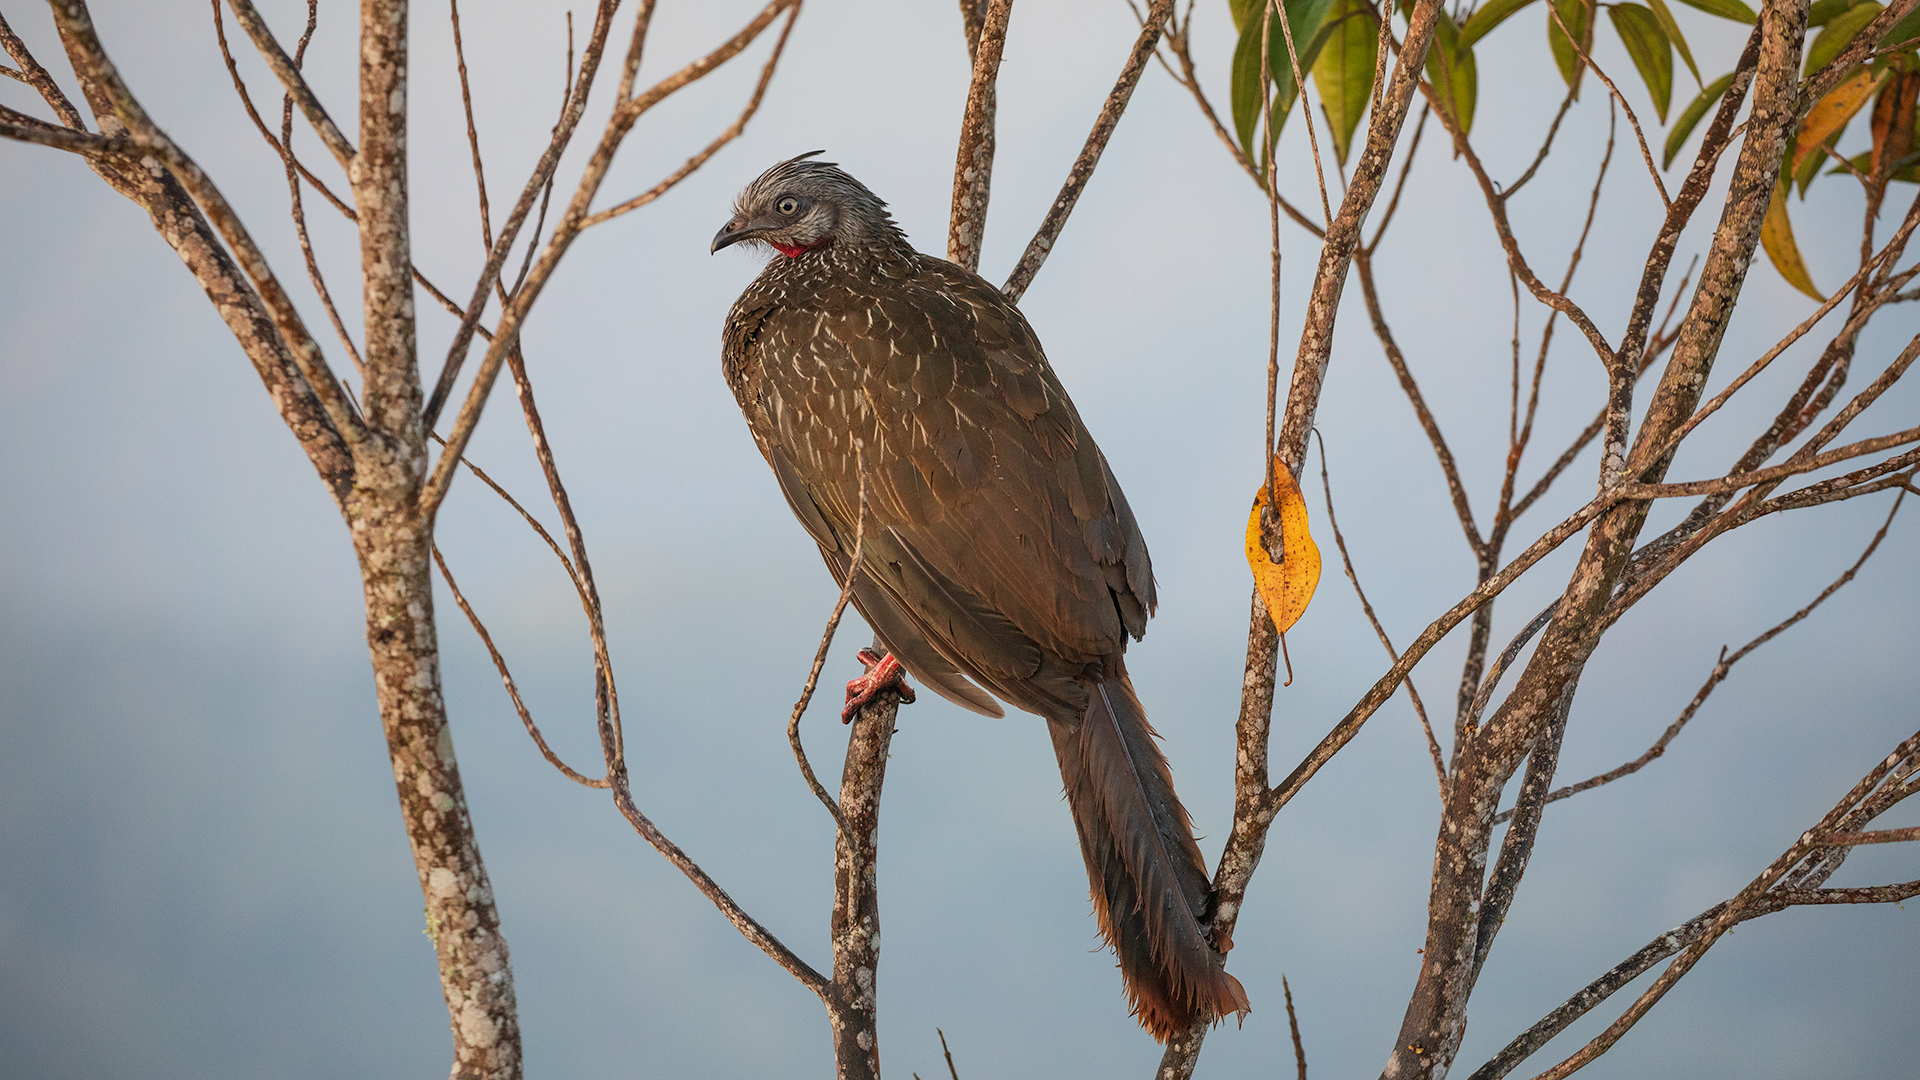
(731, 233)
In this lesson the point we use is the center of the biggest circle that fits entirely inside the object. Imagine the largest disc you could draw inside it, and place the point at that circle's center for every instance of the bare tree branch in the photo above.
(506, 678)
(288, 73)
(507, 331)
(1083, 166)
(973, 167)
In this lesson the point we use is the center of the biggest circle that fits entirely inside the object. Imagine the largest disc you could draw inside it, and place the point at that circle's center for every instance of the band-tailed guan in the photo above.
(999, 550)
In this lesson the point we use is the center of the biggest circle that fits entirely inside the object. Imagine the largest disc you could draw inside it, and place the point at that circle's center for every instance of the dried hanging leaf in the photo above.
(1893, 122)
(1776, 235)
(1287, 584)
(1831, 115)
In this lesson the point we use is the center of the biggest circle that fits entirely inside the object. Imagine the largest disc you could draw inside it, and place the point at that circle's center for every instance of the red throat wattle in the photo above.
(794, 251)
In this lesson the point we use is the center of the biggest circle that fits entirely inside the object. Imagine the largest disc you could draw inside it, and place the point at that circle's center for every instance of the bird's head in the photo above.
(800, 206)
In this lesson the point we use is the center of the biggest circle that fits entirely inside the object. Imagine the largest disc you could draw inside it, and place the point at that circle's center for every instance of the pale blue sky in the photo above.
(204, 873)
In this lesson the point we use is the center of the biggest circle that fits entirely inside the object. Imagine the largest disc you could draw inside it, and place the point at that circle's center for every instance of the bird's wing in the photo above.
(1000, 529)
(896, 631)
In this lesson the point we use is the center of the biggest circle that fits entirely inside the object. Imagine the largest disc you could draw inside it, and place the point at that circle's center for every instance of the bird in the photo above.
(998, 556)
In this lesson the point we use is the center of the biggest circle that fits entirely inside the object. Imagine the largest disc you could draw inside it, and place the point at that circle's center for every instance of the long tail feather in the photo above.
(1149, 886)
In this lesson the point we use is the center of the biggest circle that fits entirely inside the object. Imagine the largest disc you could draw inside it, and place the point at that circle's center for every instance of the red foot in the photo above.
(883, 673)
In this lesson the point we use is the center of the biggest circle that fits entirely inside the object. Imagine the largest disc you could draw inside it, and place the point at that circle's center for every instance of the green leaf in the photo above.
(1839, 31)
(1306, 18)
(1905, 33)
(1453, 73)
(1652, 54)
(1565, 53)
(1312, 26)
(1245, 87)
(1343, 71)
(1243, 12)
(1823, 11)
(1665, 14)
(1776, 235)
(1488, 16)
(1691, 115)
(1726, 9)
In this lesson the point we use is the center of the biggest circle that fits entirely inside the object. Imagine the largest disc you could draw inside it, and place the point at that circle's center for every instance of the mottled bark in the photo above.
(973, 164)
(393, 538)
(394, 544)
(1526, 721)
(852, 1003)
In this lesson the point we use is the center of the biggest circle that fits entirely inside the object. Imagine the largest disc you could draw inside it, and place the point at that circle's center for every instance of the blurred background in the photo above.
(204, 874)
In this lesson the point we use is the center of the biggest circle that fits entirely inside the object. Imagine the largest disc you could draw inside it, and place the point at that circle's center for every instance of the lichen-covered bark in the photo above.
(1524, 724)
(851, 1010)
(393, 537)
(394, 545)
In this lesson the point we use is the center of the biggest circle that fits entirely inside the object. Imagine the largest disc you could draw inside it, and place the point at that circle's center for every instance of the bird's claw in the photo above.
(883, 673)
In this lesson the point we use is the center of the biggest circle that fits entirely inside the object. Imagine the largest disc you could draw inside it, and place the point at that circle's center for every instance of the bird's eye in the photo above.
(787, 205)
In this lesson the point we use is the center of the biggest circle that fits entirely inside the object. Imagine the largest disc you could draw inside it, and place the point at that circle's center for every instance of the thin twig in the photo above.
(732, 132)
(1878, 836)
(1515, 259)
(1666, 945)
(473, 133)
(507, 332)
(1083, 166)
(298, 207)
(1293, 1026)
(1508, 192)
(826, 641)
(39, 78)
(543, 171)
(296, 86)
(1346, 562)
(1808, 845)
(1456, 489)
(1646, 152)
(1721, 668)
(506, 678)
(951, 1071)
(1274, 11)
(730, 909)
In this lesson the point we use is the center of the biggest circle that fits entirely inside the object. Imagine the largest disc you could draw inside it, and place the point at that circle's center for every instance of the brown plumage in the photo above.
(1000, 552)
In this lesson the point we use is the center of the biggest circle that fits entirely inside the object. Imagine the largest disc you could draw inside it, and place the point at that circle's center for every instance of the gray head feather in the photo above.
(802, 205)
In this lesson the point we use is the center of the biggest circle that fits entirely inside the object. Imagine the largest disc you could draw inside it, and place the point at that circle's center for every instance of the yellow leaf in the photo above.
(1832, 112)
(1776, 235)
(1285, 585)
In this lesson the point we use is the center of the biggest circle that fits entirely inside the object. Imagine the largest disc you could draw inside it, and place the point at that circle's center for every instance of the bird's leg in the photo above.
(883, 673)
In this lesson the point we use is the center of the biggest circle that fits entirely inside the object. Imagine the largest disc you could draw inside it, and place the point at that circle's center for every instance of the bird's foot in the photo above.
(883, 673)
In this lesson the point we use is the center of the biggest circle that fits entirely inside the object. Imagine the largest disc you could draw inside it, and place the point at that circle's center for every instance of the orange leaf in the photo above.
(1285, 584)
(1832, 112)
(1776, 236)
(1893, 122)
